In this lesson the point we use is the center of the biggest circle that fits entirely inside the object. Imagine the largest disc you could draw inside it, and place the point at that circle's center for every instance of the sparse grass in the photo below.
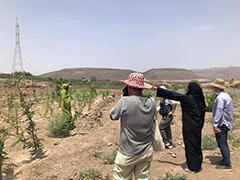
(58, 126)
(236, 142)
(209, 120)
(149, 92)
(230, 135)
(96, 151)
(236, 116)
(110, 158)
(236, 124)
(208, 143)
(169, 176)
(92, 174)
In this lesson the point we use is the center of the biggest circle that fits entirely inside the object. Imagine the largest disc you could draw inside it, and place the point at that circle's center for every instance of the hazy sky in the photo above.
(131, 34)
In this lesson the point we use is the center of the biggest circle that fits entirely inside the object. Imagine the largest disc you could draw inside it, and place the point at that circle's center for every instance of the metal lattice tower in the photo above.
(17, 58)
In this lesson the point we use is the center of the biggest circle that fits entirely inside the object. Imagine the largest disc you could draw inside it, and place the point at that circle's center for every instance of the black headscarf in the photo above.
(196, 91)
(125, 91)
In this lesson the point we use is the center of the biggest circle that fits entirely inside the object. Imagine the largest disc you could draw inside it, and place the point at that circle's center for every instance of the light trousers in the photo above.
(138, 165)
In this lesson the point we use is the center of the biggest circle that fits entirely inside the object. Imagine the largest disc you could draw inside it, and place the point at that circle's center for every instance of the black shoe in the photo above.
(224, 167)
(222, 162)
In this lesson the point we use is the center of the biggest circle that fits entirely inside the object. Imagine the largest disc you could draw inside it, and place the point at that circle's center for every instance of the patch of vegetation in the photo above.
(58, 126)
(236, 116)
(236, 124)
(96, 151)
(210, 101)
(208, 143)
(236, 142)
(230, 135)
(149, 92)
(176, 87)
(237, 86)
(92, 174)
(110, 158)
(169, 176)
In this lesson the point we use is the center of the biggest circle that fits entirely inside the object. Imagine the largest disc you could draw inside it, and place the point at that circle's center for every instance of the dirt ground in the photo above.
(64, 158)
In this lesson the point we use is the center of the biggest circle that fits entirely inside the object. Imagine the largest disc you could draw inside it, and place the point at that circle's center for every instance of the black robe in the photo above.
(192, 121)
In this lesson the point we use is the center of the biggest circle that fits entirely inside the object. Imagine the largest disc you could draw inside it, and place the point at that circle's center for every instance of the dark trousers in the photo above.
(165, 129)
(221, 138)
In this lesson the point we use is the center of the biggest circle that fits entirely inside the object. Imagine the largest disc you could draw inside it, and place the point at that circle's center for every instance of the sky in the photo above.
(126, 34)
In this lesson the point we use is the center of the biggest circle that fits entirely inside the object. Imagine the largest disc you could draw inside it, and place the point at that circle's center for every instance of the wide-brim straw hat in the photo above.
(218, 83)
(136, 80)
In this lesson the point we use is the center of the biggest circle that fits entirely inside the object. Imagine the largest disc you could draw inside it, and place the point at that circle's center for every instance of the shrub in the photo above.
(208, 143)
(90, 174)
(169, 176)
(110, 158)
(59, 126)
(210, 101)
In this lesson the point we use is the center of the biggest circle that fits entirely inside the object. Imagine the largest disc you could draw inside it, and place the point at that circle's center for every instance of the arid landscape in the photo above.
(89, 150)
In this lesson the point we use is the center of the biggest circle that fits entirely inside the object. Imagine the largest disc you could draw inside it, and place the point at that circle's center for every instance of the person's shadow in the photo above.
(183, 165)
(214, 159)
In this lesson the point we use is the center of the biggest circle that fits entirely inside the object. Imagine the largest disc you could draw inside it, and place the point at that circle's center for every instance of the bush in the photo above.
(110, 158)
(169, 176)
(208, 143)
(59, 126)
(210, 101)
(90, 174)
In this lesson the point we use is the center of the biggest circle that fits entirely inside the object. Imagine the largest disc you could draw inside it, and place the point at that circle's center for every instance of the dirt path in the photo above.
(66, 157)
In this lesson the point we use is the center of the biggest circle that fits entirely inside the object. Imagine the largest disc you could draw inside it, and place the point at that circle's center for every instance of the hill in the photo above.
(119, 74)
(170, 74)
(87, 73)
(226, 73)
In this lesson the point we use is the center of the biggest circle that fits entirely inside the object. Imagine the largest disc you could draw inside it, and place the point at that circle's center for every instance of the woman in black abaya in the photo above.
(193, 113)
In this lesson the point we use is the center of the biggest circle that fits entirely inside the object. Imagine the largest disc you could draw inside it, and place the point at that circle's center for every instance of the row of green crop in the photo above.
(20, 106)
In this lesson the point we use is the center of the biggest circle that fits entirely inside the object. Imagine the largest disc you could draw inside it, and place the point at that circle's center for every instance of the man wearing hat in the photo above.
(222, 122)
(137, 119)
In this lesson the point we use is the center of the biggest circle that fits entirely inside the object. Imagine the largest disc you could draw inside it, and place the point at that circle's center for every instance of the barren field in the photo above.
(91, 145)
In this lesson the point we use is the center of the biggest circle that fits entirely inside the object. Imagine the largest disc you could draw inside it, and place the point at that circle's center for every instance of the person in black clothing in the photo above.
(193, 113)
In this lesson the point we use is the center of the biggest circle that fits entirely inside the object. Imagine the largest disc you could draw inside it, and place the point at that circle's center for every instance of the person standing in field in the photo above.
(222, 122)
(65, 104)
(167, 109)
(193, 114)
(137, 113)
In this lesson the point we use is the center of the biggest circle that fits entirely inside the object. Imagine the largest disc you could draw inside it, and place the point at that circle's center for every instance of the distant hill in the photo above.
(119, 74)
(226, 73)
(87, 73)
(171, 74)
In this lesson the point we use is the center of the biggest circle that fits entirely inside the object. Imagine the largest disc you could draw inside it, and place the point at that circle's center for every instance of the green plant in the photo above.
(210, 101)
(96, 151)
(31, 140)
(3, 154)
(208, 143)
(12, 115)
(110, 158)
(92, 174)
(169, 176)
(58, 126)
